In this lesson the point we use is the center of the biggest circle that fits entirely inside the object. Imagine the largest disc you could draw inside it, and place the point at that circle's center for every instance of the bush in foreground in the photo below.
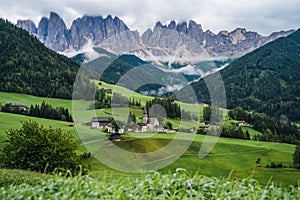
(33, 147)
(179, 185)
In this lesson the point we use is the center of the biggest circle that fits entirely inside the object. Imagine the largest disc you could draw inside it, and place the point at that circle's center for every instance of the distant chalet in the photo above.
(20, 107)
(108, 91)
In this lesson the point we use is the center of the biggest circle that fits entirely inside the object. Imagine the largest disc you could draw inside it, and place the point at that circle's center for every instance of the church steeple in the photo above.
(145, 116)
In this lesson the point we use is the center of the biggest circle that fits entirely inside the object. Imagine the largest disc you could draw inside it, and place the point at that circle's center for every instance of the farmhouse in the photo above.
(243, 123)
(103, 123)
(21, 107)
(115, 137)
(108, 91)
(100, 122)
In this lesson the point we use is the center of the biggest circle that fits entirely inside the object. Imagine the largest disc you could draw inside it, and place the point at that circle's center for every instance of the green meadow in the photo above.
(228, 155)
(6, 97)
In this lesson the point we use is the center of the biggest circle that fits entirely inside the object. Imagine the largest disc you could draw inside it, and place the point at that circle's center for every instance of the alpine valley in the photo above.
(100, 99)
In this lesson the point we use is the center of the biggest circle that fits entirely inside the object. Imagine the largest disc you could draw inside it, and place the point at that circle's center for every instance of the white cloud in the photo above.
(264, 16)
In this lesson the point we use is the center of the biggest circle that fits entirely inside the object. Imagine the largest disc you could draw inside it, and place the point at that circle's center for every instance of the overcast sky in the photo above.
(263, 16)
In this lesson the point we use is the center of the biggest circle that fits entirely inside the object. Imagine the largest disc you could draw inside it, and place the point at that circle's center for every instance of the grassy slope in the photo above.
(125, 91)
(6, 97)
(228, 154)
(9, 121)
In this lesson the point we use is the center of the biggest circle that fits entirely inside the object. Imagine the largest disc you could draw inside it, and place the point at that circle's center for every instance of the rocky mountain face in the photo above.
(54, 34)
(27, 25)
(58, 36)
(43, 29)
(178, 40)
(234, 43)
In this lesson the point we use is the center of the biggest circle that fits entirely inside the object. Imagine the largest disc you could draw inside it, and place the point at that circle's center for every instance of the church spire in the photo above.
(145, 116)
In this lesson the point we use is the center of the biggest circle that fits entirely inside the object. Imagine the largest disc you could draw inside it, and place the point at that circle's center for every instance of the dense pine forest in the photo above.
(27, 66)
(265, 80)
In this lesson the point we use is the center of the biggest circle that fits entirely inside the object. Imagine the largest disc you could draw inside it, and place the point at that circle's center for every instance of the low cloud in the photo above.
(263, 16)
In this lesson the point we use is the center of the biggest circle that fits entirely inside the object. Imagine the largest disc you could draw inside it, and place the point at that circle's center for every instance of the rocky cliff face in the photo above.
(27, 25)
(95, 30)
(58, 37)
(178, 40)
(55, 35)
(43, 29)
(235, 43)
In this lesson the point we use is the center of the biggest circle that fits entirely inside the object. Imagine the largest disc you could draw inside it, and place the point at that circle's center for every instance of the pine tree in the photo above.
(296, 156)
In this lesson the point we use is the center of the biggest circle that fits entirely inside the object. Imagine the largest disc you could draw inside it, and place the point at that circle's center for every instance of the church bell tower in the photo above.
(145, 116)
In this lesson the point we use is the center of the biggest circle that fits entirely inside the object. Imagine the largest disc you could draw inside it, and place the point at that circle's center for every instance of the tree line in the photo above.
(172, 109)
(103, 100)
(42, 111)
(229, 131)
(273, 129)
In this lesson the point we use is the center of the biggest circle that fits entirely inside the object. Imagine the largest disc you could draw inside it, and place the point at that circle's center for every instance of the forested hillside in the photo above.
(266, 80)
(112, 67)
(27, 66)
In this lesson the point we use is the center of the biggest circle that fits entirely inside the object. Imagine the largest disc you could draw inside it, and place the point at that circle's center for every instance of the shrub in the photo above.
(40, 149)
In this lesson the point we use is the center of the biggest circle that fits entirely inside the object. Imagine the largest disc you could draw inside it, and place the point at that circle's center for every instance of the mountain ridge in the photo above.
(154, 42)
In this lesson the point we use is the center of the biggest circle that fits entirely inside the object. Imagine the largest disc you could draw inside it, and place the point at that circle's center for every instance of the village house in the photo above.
(100, 122)
(104, 123)
(115, 137)
(140, 128)
(240, 123)
(21, 107)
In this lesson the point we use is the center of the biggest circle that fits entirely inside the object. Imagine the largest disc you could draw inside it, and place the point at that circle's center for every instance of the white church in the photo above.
(148, 124)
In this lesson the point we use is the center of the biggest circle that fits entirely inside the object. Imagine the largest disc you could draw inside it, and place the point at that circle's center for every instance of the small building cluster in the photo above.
(148, 124)
(104, 123)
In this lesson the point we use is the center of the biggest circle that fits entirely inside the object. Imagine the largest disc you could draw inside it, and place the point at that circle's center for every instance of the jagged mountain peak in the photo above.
(109, 17)
(58, 36)
(208, 32)
(194, 25)
(95, 30)
(172, 25)
(54, 15)
(159, 25)
(182, 27)
(27, 25)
